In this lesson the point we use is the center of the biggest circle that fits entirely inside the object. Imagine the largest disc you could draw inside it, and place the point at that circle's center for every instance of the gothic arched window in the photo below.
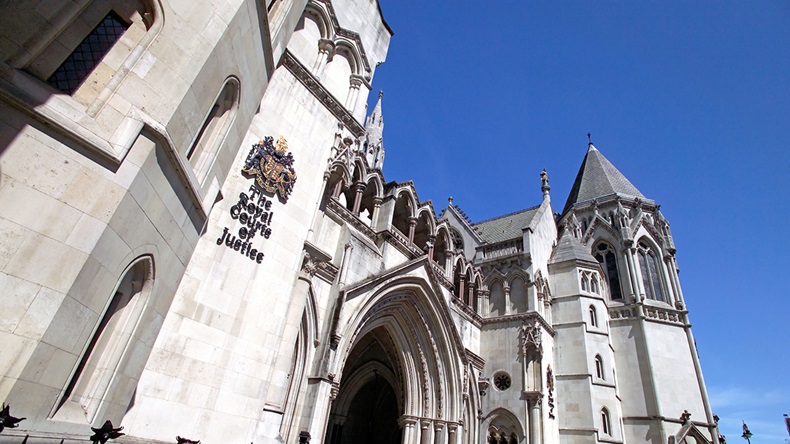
(650, 267)
(585, 283)
(104, 382)
(606, 424)
(593, 317)
(599, 367)
(457, 239)
(212, 133)
(605, 255)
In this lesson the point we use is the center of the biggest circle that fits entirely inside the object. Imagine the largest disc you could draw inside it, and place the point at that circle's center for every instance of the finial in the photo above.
(588, 138)
(450, 200)
(544, 182)
(381, 93)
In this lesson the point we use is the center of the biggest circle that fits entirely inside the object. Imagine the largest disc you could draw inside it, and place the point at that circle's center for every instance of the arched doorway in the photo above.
(369, 402)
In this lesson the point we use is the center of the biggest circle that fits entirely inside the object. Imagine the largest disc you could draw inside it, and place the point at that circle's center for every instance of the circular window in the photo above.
(502, 381)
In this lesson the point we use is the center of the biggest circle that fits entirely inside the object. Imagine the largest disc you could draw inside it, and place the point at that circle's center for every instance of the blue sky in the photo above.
(690, 100)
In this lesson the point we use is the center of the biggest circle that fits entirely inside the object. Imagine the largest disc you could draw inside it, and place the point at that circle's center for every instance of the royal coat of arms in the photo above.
(272, 165)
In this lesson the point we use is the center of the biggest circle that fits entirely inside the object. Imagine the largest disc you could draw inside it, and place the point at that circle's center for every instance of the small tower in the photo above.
(374, 137)
(641, 308)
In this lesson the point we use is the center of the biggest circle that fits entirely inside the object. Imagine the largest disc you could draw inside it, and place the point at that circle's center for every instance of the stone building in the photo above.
(197, 239)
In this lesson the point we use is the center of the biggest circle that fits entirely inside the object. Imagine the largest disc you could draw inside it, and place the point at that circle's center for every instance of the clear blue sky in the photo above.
(690, 100)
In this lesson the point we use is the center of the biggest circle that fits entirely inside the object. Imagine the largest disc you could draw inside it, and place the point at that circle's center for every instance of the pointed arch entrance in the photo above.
(400, 364)
(370, 401)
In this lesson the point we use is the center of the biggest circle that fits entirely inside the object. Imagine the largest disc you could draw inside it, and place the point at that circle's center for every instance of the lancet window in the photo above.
(599, 367)
(650, 267)
(605, 255)
(103, 382)
(593, 317)
(589, 282)
(606, 425)
(208, 140)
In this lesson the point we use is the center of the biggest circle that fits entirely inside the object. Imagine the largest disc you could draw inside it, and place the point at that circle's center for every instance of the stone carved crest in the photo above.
(272, 166)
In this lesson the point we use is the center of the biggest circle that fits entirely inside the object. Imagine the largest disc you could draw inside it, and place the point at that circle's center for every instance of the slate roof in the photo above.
(597, 177)
(505, 227)
(569, 248)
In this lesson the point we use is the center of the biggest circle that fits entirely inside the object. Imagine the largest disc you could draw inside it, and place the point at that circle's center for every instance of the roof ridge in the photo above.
(506, 215)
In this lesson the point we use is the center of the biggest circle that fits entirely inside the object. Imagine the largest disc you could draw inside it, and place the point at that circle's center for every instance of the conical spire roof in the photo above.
(597, 178)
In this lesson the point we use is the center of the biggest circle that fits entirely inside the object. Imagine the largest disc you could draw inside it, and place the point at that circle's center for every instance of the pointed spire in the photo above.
(597, 178)
(374, 127)
(376, 117)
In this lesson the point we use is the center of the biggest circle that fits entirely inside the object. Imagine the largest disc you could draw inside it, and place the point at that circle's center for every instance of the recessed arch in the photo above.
(518, 294)
(424, 229)
(403, 212)
(103, 381)
(322, 20)
(606, 255)
(502, 423)
(204, 148)
(651, 268)
(442, 246)
(409, 310)
(310, 28)
(351, 53)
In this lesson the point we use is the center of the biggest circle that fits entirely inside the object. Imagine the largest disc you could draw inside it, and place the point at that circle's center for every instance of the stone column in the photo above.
(375, 216)
(448, 264)
(355, 81)
(338, 189)
(670, 283)
(638, 273)
(482, 302)
(673, 272)
(326, 50)
(412, 226)
(438, 433)
(432, 241)
(409, 432)
(547, 315)
(425, 431)
(359, 187)
(461, 282)
(452, 433)
(630, 271)
(535, 421)
(506, 290)
(532, 295)
(470, 294)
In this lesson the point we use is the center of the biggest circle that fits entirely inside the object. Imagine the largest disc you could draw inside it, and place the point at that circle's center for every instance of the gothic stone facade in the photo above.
(157, 273)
